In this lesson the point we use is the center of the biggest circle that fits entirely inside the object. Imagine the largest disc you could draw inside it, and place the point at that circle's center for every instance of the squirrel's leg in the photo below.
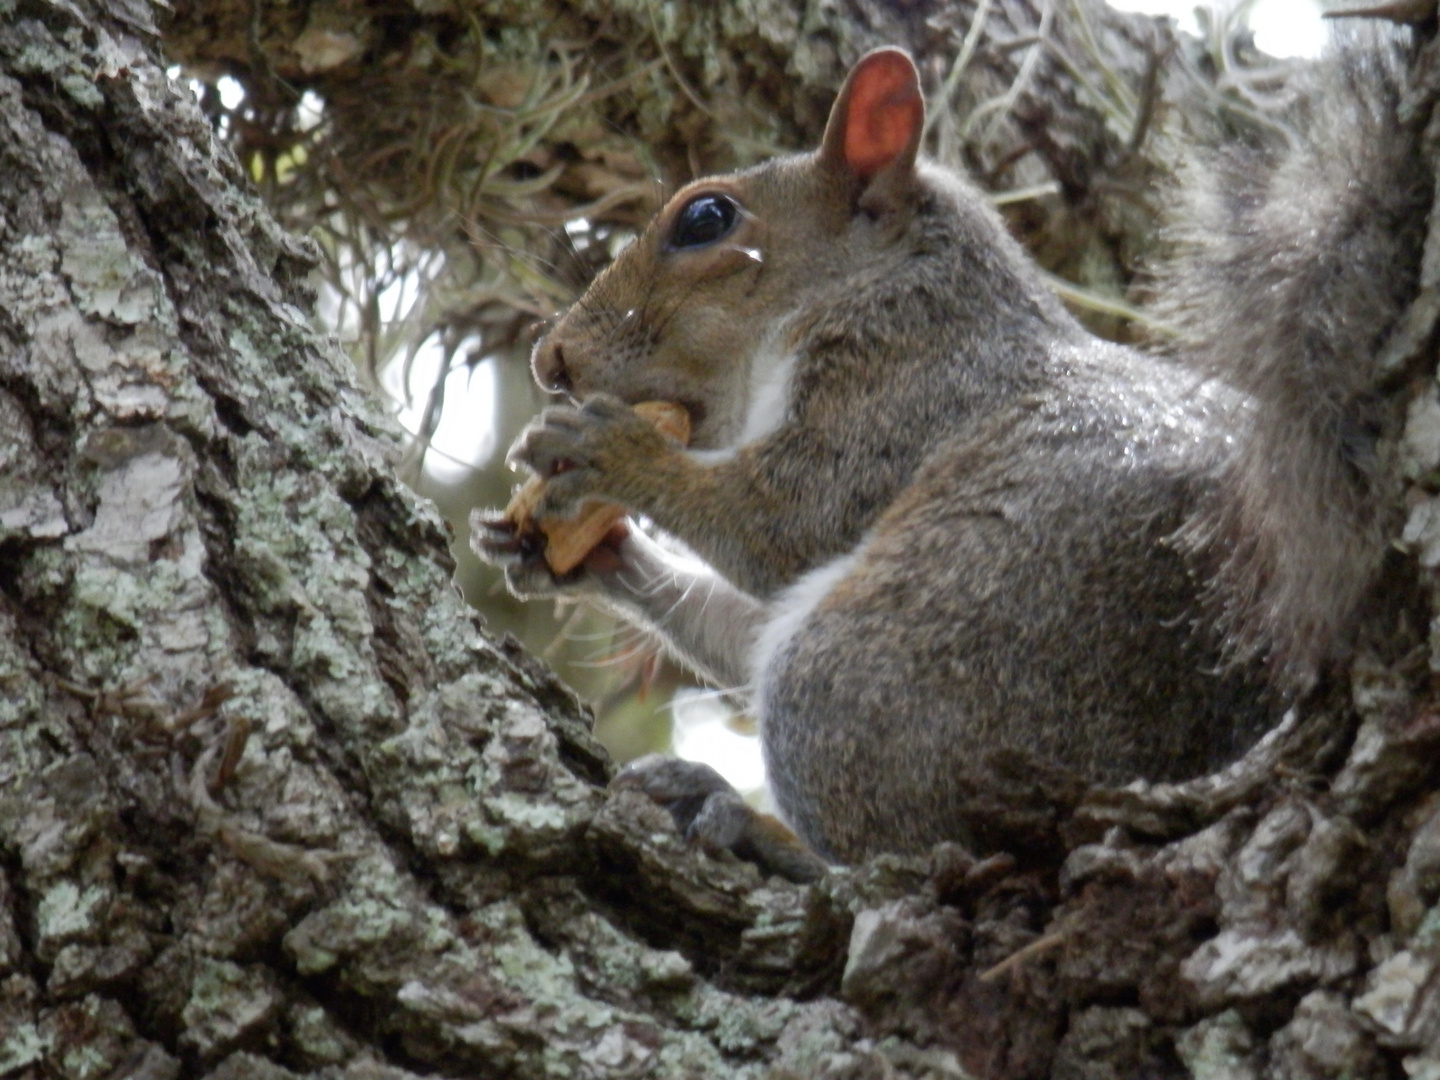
(712, 626)
(708, 811)
(724, 506)
(703, 620)
(706, 623)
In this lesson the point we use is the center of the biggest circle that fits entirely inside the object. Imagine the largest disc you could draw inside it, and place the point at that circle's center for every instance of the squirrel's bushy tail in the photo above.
(1295, 259)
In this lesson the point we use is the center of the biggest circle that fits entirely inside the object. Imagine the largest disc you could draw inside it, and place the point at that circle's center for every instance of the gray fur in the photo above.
(979, 531)
(1294, 258)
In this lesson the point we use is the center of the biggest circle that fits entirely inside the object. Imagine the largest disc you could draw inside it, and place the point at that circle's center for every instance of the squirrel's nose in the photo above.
(548, 363)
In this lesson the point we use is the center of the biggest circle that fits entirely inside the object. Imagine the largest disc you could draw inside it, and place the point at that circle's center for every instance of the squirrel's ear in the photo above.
(877, 120)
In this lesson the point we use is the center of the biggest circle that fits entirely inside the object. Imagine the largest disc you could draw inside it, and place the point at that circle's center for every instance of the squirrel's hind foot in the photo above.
(708, 811)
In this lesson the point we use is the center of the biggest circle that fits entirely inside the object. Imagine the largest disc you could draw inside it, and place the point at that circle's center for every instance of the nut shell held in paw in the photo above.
(567, 542)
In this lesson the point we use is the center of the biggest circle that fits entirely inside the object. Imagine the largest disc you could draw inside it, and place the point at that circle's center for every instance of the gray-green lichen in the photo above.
(1401, 994)
(477, 771)
(227, 1003)
(20, 1047)
(66, 911)
(1220, 1048)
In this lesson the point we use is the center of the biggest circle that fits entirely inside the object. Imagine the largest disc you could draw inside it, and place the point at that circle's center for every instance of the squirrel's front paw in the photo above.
(598, 451)
(495, 538)
(708, 811)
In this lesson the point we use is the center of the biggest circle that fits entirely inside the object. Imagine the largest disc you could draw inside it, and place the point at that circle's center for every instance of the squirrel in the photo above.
(933, 519)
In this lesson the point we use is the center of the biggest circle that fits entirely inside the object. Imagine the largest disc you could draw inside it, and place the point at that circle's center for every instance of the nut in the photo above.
(568, 541)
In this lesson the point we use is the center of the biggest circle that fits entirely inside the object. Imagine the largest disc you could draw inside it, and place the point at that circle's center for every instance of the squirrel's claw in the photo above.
(496, 541)
(593, 452)
(495, 538)
(541, 446)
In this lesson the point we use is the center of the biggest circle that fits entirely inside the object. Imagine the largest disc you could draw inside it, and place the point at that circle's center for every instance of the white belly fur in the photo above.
(767, 395)
(788, 613)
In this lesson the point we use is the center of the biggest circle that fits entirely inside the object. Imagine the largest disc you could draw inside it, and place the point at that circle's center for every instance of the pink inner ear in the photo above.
(885, 111)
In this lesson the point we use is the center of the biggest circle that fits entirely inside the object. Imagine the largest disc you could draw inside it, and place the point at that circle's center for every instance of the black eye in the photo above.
(703, 220)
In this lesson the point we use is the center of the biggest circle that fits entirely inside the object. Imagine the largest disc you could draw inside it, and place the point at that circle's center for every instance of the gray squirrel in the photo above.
(935, 520)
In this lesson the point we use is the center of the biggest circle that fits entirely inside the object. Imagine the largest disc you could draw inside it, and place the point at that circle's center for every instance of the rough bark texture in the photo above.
(271, 805)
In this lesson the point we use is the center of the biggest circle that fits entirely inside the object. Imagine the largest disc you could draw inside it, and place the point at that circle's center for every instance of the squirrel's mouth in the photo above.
(696, 411)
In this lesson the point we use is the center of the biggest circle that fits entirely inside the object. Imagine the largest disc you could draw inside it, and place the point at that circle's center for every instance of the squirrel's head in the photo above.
(721, 281)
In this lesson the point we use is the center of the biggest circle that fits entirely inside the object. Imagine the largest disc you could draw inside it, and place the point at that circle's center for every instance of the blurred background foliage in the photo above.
(465, 168)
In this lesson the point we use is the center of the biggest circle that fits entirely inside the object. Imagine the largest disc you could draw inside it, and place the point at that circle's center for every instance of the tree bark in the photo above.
(272, 805)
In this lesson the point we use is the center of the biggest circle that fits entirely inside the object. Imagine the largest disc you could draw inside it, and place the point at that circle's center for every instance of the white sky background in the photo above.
(1281, 27)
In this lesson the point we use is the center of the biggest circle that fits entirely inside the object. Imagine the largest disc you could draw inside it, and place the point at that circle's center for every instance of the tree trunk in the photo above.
(271, 804)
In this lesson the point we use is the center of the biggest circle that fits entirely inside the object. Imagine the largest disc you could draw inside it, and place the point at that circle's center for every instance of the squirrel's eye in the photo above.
(703, 220)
